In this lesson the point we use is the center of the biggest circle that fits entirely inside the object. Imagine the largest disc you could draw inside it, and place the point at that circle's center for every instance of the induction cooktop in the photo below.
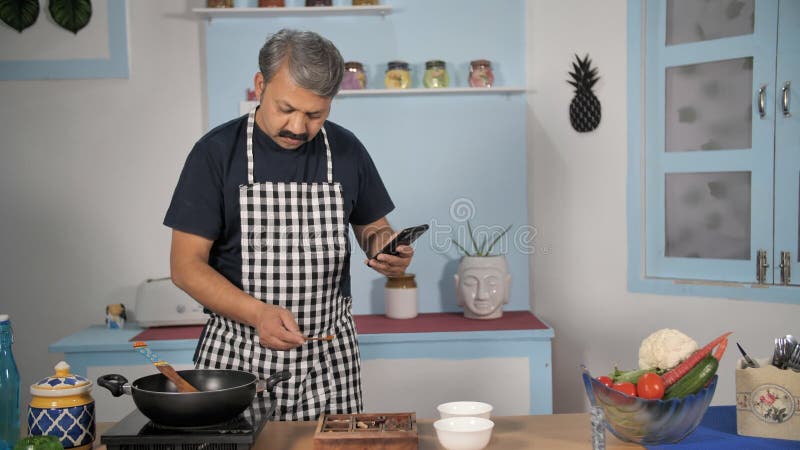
(136, 431)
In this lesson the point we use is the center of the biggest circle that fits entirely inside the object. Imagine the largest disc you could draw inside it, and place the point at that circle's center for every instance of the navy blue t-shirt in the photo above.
(206, 199)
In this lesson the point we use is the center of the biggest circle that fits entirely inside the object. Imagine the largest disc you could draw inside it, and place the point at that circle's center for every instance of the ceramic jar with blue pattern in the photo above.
(62, 406)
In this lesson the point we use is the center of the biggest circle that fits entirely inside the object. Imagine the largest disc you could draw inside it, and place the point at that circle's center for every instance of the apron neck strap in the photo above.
(251, 119)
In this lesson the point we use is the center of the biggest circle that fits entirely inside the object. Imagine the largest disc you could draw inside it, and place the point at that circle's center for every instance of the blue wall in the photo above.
(431, 151)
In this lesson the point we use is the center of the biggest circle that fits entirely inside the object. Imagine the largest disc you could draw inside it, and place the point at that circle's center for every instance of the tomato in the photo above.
(605, 380)
(626, 388)
(650, 386)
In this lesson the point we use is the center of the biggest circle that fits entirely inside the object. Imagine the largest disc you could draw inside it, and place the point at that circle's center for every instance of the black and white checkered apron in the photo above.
(295, 249)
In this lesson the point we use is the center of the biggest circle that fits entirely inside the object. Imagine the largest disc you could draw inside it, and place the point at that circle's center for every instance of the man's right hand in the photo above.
(277, 328)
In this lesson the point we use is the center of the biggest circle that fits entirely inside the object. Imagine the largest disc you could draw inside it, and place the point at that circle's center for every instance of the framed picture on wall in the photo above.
(46, 51)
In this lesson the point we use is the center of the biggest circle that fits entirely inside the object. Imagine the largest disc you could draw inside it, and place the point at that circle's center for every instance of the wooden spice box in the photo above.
(376, 431)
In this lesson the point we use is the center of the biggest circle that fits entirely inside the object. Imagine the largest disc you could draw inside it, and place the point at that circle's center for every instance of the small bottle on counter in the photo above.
(9, 387)
(354, 76)
(435, 74)
(398, 75)
(400, 295)
(480, 73)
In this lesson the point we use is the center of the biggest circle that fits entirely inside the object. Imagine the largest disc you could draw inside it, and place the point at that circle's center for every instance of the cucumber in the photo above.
(694, 380)
(632, 376)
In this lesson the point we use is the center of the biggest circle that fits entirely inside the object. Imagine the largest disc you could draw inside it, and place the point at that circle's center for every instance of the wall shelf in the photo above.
(431, 91)
(309, 11)
(246, 106)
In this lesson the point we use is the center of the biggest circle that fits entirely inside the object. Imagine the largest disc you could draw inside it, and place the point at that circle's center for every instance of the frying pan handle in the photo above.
(275, 379)
(115, 383)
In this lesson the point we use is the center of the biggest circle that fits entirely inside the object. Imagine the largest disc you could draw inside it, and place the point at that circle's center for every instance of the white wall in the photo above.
(577, 185)
(87, 168)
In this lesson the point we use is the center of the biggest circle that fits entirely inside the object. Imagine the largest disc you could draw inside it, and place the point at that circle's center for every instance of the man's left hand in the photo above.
(392, 266)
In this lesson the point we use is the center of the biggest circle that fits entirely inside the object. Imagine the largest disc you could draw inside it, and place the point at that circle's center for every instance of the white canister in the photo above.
(400, 296)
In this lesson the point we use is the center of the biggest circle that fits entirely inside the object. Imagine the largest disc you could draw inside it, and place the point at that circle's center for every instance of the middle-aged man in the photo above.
(260, 232)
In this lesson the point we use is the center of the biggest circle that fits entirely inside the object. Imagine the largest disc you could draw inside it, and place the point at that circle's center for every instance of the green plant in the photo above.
(485, 246)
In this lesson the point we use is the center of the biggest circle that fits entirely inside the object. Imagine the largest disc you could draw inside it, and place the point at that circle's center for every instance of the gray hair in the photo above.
(314, 62)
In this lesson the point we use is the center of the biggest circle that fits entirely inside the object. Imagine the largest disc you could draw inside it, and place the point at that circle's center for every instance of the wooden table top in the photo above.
(561, 431)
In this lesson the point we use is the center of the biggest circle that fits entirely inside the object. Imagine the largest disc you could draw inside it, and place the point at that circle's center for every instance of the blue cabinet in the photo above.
(715, 180)
(412, 364)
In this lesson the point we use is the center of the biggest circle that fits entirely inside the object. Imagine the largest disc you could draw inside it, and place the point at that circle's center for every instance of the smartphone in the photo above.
(404, 237)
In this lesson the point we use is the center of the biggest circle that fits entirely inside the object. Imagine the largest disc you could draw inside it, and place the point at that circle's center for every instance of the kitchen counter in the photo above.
(557, 431)
(546, 431)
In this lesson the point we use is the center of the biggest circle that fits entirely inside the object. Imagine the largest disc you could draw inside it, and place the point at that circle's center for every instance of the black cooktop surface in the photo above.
(137, 429)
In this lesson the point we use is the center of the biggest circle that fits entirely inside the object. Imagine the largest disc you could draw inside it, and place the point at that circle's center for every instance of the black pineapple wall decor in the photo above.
(584, 109)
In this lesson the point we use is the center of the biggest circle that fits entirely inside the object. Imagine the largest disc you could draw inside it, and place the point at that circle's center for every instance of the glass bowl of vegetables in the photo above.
(649, 421)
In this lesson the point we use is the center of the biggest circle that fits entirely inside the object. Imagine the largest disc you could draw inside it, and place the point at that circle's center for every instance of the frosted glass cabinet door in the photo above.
(708, 106)
(710, 151)
(787, 144)
(696, 21)
(708, 215)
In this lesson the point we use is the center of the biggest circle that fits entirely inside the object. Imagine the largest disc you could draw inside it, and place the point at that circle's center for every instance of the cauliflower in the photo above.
(664, 349)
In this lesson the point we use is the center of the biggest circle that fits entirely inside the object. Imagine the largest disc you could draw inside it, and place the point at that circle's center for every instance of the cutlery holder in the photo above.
(767, 401)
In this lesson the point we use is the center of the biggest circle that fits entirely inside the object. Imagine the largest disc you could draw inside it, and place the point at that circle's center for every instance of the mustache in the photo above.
(288, 134)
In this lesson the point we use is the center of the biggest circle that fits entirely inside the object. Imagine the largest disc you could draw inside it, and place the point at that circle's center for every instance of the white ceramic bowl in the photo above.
(463, 433)
(464, 409)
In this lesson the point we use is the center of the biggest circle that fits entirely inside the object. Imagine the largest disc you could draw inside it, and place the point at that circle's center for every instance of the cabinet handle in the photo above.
(786, 267)
(786, 94)
(762, 101)
(761, 266)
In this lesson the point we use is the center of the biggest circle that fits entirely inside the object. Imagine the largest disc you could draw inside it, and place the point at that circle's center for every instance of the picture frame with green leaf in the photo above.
(71, 15)
(484, 248)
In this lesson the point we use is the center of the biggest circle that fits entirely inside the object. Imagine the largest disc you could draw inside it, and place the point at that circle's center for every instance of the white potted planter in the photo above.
(482, 283)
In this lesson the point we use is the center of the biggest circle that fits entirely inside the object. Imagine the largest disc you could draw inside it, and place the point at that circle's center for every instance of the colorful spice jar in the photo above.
(354, 76)
(480, 73)
(435, 74)
(271, 3)
(398, 75)
(61, 406)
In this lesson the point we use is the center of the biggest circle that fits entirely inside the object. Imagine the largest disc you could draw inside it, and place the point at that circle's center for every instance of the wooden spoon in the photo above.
(164, 367)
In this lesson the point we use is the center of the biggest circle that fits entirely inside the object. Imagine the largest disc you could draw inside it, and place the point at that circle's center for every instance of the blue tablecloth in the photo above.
(718, 431)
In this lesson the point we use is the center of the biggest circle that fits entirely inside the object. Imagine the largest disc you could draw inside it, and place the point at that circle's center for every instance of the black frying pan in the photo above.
(223, 395)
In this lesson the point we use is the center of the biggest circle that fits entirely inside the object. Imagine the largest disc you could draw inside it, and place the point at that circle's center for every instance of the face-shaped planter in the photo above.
(483, 286)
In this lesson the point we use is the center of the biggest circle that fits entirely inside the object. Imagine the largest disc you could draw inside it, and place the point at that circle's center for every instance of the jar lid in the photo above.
(480, 62)
(61, 384)
(434, 63)
(353, 65)
(397, 65)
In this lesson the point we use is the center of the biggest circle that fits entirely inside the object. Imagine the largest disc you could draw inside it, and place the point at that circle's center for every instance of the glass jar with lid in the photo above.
(435, 74)
(400, 295)
(398, 75)
(354, 76)
(62, 406)
(480, 73)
